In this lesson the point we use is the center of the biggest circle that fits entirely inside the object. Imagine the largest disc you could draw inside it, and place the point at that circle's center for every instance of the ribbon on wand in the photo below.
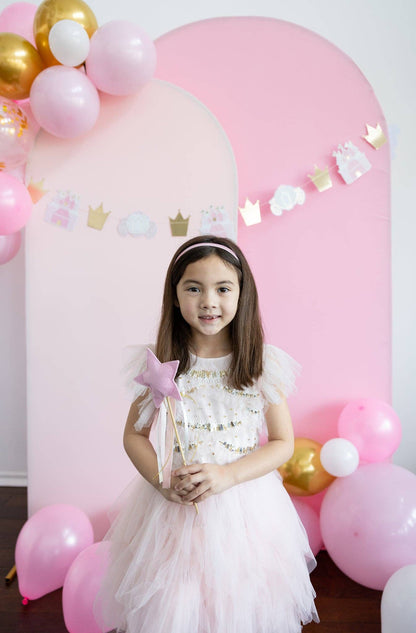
(160, 378)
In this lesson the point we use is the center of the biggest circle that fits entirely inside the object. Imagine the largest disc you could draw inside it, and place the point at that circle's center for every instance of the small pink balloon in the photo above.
(81, 587)
(18, 18)
(64, 101)
(48, 543)
(372, 426)
(122, 58)
(9, 246)
(15, 204)
(310, 520)
(368, 522)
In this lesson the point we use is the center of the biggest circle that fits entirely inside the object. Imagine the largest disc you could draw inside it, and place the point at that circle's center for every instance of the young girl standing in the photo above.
(239, 565)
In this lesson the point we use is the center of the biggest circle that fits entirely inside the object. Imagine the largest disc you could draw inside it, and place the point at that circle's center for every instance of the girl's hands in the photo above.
(177, 496)
(199, 481)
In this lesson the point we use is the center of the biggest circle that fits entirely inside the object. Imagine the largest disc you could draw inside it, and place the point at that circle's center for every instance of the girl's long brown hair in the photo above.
(246, 331)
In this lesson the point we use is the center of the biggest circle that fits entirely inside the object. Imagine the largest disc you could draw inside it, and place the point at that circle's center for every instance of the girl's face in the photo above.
(207, 296)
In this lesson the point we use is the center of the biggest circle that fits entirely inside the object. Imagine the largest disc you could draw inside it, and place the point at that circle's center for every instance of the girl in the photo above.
(240, 565)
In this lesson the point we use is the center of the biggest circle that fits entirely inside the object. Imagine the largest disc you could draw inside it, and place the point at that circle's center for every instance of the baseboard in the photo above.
(13, 479)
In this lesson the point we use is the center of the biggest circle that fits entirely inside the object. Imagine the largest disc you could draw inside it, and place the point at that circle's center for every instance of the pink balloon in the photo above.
(47, 545)
(64, 101)
(9, 246)
(372, 426)
(368, 522)
(310, 520)
(122, 58)
(15, 204)
(81, 586)
(17, 133)
(18, 18)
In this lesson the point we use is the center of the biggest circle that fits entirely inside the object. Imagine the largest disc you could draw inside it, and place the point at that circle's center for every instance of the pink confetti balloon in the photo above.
(81, 586)
(17, 133)
(368, 522)
(15, 204)
(48, 543)
(18, 18)
(64, 101)
(372, 426)
(9, 246)
(122, 58)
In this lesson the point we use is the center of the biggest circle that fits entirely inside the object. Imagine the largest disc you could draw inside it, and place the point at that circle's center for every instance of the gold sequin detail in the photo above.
(241, 450)
(211, 426)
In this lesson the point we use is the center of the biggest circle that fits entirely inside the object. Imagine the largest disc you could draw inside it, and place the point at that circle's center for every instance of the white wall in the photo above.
(379, 36)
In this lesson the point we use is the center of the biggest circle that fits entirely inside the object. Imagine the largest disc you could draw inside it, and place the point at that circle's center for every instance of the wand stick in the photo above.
(172, 417)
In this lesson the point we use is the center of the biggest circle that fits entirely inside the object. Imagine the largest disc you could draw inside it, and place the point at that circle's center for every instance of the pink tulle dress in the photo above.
(239, 566)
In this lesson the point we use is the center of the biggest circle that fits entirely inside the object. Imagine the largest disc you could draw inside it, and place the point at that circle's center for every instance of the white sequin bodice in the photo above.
(223, 423)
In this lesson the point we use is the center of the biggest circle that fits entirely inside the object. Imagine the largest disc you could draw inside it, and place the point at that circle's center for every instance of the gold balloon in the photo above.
(304, 474)
(20, 62)
(50, 12)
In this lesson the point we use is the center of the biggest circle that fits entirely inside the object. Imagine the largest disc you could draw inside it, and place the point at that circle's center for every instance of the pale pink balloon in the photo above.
(48, 543)
(368, 522)
(64, 101)
(372, 426)
(18, 130)
(15, 204)
(9, 246)
(310, 520)
(81, 587)
(122, 58)
(18, 18)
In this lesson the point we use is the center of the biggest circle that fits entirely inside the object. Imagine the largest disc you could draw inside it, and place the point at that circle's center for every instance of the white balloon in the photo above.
(339, 457)
(398, 602)
(69, 42)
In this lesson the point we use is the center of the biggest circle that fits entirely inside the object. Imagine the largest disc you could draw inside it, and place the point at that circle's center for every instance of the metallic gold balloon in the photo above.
(304, 474)
(51, 11)
(20, 63)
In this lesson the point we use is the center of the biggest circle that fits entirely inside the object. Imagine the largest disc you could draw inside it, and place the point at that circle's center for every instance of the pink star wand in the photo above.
(159, 377)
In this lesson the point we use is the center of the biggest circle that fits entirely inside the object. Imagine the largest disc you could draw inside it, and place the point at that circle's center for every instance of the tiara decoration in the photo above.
(251, 212)
(321, 179)
(286, 198)
(36, 190)
(97, 217)
(375, 136)
(160, 378)
(179, 225)
(352, 163)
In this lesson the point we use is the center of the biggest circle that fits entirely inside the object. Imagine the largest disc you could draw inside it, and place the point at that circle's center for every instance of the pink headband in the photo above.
(213, 244)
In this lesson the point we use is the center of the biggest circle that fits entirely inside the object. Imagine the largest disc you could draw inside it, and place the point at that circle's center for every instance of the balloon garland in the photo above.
(54, 60)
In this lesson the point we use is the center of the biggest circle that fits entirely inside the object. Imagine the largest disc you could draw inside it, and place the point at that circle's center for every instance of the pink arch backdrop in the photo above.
(286, 98)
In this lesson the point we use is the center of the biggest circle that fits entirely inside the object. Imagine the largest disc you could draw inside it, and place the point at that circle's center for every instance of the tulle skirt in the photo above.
(239, 566)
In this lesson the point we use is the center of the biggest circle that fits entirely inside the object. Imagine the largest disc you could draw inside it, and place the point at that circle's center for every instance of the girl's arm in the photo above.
(210, 479)
(141, 452)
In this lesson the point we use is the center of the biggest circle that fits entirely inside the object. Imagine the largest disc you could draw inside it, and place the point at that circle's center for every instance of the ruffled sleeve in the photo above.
(135, 364)
(279, 374)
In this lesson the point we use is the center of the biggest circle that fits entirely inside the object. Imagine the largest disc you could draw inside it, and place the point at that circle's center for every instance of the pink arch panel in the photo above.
(286, 98)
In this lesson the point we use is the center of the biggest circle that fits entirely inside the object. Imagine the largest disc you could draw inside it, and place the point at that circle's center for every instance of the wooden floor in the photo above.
(343, 605)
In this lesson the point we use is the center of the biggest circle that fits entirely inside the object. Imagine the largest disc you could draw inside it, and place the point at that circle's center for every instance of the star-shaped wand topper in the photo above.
(159, 377)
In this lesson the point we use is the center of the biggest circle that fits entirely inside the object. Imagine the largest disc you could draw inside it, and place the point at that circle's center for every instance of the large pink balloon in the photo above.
(81, 586)
(18, 18)
(372, 426)
(122, 58)
(15, 204)
(64, 101)
(47, 545)
(368, 522)
(310, 520)
(9, 246)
